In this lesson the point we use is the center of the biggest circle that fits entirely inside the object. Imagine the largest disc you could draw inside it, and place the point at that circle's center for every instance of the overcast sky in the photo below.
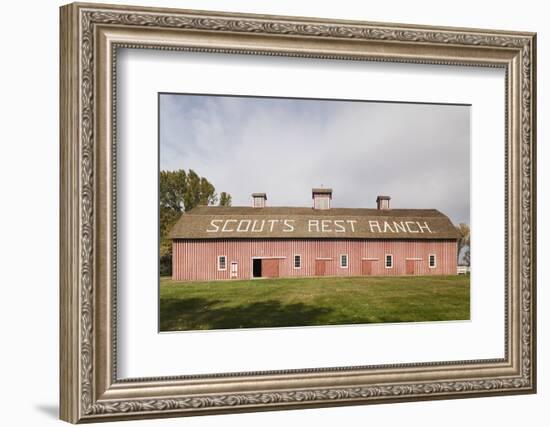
(418, 154)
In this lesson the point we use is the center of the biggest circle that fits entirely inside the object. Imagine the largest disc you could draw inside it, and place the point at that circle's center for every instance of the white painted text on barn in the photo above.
(316, 226)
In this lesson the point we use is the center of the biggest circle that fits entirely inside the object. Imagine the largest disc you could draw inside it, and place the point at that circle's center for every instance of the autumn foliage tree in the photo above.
(464, 242)
(179, 192)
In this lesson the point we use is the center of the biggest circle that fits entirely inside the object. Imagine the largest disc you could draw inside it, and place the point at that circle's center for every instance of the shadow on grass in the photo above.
(201, 313)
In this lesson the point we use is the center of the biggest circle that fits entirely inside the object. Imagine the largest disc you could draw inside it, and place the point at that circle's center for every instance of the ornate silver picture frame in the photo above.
(91, 36)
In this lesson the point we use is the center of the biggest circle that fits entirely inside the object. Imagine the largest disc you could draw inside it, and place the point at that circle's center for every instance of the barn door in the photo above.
(409, 266)
(320, 267)
(234, 269)
(270, 267)
(366, 267)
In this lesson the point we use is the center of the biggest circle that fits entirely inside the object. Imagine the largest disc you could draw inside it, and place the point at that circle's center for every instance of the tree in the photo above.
(172, 188)
(167, 219)
(225, 199)
(466, 256)
(463, 241)
(198, 191)
(179, 192)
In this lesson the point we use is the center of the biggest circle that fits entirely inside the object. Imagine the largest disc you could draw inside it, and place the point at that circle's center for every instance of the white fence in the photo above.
(462, 269)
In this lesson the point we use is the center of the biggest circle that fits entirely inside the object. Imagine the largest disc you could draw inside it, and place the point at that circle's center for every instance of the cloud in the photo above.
(417, 153)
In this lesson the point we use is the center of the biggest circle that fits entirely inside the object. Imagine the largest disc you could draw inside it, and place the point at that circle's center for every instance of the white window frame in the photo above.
(225, 262)
(435, 260)
(347, 260)
(386, 260)
(294, 261)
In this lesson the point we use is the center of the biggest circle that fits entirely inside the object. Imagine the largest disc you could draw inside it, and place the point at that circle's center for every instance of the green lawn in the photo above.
(312, 301)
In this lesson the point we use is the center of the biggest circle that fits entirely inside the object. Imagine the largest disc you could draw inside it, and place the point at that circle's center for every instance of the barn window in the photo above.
(344, 261)
(431, 261)
(389, 261)
(297, 261)
(222, 262)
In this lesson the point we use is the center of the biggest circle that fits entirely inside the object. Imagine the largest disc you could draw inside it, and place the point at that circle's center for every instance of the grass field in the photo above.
(311, 301)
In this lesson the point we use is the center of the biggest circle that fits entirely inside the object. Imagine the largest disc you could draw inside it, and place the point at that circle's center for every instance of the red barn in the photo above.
(215, 243)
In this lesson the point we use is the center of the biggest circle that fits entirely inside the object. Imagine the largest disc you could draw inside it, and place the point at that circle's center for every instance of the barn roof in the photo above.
(222, 222)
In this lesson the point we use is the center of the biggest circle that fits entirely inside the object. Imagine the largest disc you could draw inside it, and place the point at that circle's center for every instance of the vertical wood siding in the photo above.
(198, 259)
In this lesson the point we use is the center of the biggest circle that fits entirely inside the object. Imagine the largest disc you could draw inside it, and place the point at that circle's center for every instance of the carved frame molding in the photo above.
(90, 37)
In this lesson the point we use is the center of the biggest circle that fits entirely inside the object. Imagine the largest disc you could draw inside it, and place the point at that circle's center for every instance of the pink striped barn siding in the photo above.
(197, 259)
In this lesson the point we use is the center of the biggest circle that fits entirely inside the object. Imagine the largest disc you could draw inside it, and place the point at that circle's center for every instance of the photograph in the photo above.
(293, 212)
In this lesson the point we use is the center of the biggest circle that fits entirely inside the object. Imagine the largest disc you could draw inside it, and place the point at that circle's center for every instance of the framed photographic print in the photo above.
(325, 258)
(266, 212)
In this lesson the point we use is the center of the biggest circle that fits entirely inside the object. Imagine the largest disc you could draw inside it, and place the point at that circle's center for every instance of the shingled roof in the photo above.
(222, 222)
